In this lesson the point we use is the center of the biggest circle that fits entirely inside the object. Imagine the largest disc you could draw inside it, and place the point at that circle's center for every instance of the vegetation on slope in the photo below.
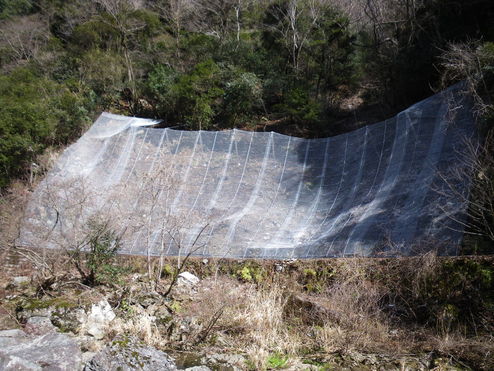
(311, 68)
(422, 313)
(306, 68)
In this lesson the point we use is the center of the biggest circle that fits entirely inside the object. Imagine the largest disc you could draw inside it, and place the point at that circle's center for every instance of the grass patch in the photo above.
(276, 361)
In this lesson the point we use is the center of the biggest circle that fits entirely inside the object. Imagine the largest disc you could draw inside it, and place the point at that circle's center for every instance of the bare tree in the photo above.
(475, 168)
(157, 225)
(61, 218)
(73, 13)
(471, 62)
(121, 19)
(178, 13)
(215, 17)
(218, 18)
(381, 16)
(296, 20)
(24, 37)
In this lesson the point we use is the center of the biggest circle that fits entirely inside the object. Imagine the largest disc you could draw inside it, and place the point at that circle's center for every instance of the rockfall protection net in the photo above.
(380, 189)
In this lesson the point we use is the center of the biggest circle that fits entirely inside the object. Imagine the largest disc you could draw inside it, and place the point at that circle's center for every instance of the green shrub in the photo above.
(27, 121)
(251, 272)
(276, 361)
(91, 35)
(73, 117)
(159, 88)
(243, 97)
(245, 274)
(447, 293)
(95, 256)
(35, 112)
(199, 94)
(9, 8)
(105, 73)
(192, 98)
(298, 105)
(197, 48)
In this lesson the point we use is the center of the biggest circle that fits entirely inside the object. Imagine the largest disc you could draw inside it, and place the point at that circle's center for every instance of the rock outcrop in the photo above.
(128, 353)
(98, 319)
(187, 279)
(50, 351)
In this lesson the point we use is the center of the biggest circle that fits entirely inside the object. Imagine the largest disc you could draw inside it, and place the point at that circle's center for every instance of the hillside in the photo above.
(317, 73)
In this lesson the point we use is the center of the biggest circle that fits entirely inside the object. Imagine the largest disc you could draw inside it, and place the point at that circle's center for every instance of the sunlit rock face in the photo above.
(381, 190)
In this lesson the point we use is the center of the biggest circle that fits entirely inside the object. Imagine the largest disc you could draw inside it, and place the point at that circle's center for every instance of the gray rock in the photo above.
(51, 351)
(66, 315)
(11, 337)
(230, 360)
(187, 279)
(147, 299)
(20, 281)
(14, 333)
(39, 326)
(299, 366)
(128, 353)
(198, 368)
(136, 277)
(99, 318)
(25, 314)
(16, 363)
(87, 357)
(69, 319)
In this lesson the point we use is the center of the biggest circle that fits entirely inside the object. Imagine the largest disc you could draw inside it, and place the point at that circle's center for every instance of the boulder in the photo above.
(39, 326)
(11, 337)
(67, 316)
(224, 360)
(50, 351)
(128, 353)
(20, 281)
(98, 319)
(187, 279)
(147, 299)
(69, 320)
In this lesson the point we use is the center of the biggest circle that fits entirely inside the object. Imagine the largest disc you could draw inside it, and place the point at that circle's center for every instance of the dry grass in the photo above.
(12, 205)
(251, 317)
(13, 202)
(262, 320)
(140, 324)
(267, 331)
(360, 322)
(215, 307)
(390, 306)
(287, 315)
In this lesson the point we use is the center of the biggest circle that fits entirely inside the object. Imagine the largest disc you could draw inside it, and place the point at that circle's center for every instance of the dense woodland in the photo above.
(308, 68)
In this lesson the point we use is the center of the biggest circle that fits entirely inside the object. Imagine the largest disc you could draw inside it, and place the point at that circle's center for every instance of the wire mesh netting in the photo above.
(376, 190)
